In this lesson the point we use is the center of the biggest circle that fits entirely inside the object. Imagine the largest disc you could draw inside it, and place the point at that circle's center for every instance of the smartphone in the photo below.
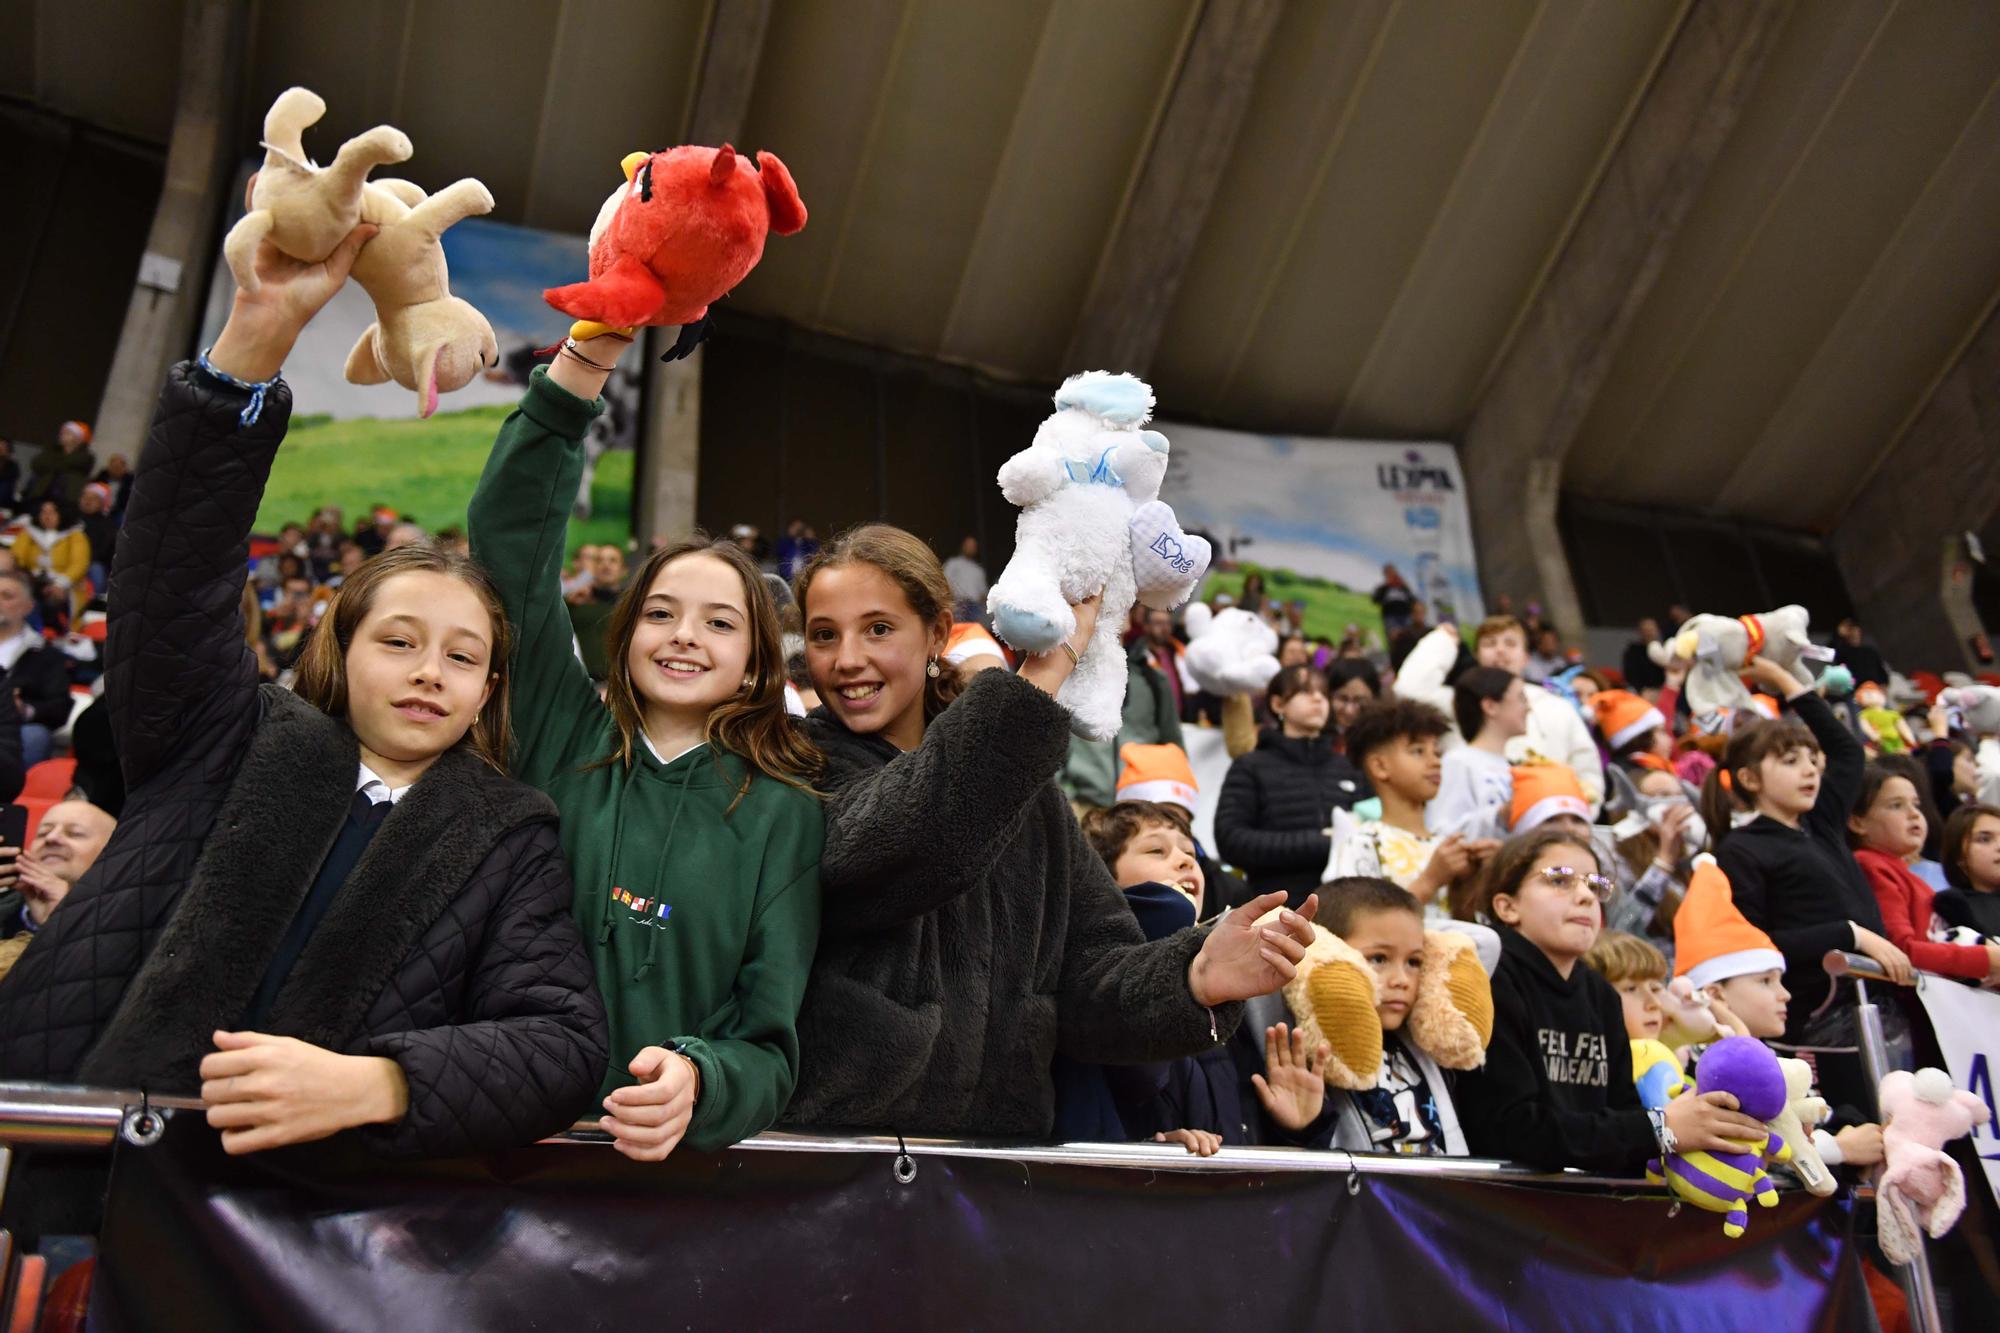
(14, 825)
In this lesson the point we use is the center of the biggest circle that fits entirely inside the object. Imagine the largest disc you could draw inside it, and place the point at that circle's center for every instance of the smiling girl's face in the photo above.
(691, 645)
(868, 650)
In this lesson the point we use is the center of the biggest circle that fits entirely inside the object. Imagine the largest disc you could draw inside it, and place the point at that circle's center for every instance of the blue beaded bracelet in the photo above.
(249, 414)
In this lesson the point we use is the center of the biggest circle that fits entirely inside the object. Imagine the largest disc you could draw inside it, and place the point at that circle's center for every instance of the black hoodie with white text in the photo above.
(1557, 1087)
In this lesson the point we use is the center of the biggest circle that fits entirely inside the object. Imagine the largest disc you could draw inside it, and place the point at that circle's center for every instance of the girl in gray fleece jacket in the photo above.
(968, 931)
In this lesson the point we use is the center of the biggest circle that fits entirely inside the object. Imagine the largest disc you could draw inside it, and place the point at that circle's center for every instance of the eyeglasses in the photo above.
(1564, 879)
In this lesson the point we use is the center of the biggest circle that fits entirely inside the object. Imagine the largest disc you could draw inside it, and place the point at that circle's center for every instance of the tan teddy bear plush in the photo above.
(304, 209)
(423, 337)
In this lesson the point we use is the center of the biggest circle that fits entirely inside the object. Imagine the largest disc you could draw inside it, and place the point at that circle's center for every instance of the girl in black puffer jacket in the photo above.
(322, 911)
(1278, 801)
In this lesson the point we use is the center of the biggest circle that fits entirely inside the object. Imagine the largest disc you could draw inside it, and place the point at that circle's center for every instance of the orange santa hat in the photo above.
(1713, 941)
(1543, 791)
(1157, 773)
(1623, 716)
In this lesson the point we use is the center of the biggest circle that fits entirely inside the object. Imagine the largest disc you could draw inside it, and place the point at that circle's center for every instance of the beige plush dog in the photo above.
(304, 209)
(423, 337)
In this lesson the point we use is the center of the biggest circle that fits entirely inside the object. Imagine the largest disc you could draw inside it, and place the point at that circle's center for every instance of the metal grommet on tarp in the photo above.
(1353, 1182)
(143, 1126)
(905, 1165)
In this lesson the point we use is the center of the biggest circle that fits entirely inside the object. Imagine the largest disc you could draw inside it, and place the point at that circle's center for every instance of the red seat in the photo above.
(50, 780)
(36, 808)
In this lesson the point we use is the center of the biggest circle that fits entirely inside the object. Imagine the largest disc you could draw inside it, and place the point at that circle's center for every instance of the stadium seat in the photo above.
(50, 780)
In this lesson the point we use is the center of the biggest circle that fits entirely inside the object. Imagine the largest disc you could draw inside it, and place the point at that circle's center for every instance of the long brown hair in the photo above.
(1510, 865)
(321, 678)
(752, 723)
(1722, 793)
(913, 567)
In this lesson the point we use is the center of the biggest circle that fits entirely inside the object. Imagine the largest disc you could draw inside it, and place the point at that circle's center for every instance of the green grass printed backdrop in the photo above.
(424, 469)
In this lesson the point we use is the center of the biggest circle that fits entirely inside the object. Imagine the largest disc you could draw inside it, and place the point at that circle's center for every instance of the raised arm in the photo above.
(177, 671)
(519, 522)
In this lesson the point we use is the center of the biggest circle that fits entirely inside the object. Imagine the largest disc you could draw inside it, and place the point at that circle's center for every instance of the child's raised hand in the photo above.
(1774, 678)
(1241, 958)
(1197, 1141)
(1860, 1145)
(265, 323)
(1295, 1091)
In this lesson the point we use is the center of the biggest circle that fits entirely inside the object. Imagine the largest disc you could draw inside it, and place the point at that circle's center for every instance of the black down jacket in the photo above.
(449, 949)
(969, 933)
(1275, 808)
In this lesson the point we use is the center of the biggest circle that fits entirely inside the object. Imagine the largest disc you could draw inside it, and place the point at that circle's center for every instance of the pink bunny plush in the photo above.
(1921, 1189)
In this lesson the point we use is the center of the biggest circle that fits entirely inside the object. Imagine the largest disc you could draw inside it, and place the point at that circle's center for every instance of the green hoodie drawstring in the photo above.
(653, 936)
(617, 842)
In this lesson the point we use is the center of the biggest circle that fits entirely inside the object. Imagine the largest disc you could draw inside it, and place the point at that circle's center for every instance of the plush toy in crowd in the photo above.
(1725, 1182)
(423, 337)
(1836, 682)
(1231, 651)
(1092, 522)
(687, 226)
(1689, 1020)
(1921, 1191)
(303, 209)
(1717, 648)
(1882, 726)
(1795, 1124)
(1334, 993)
(1657, 1073)
(1977, 707)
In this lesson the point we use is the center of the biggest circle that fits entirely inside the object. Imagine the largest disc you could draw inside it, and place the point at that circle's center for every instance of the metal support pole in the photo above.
(1914, 1276)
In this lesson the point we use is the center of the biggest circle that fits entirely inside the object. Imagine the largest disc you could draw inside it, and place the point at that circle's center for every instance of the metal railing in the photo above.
(1915, 1277)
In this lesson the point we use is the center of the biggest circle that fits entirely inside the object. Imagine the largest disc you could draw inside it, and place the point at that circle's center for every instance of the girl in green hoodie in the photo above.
(688, 818)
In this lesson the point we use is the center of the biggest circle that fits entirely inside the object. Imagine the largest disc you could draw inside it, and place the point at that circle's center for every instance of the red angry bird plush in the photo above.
(685, 228)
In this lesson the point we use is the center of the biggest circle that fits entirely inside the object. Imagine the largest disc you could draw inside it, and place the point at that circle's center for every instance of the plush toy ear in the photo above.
(1452, 1018)
(364, 363)
(427, 382)
(781, 196)
(1332, 999)
(723, 166)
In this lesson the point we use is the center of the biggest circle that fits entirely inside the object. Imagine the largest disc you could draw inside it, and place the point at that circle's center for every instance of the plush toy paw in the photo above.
(1167, 563)
(1452, 1018)
(1332, 999)
(1029, 631)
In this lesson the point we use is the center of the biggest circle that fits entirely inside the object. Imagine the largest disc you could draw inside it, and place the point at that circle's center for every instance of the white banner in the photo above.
(1967, 1023)
(1319, 518)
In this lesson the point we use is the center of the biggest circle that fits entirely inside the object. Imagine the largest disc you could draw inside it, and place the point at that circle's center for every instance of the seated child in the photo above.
(1477, 782)
(1162, 773)
(1556, 1089)
(1195, 1101)
(1635, 732)
(1887, 831)
(1395, 743)
(1638, 972)
(1741, 974)
(1971, 849)
(1409, 1110)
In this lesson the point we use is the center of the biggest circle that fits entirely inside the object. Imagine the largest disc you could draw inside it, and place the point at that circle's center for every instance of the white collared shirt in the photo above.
(14, 647)
(656, 749)
(377, 790)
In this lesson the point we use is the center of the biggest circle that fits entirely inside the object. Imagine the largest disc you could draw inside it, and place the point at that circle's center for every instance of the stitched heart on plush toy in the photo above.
(1164, 558)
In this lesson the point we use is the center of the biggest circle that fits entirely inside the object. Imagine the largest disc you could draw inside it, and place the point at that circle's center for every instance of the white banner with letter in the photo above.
(1967, 1024)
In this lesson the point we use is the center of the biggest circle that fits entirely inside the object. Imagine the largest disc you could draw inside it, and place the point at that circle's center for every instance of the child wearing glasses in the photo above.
(1556, 1089)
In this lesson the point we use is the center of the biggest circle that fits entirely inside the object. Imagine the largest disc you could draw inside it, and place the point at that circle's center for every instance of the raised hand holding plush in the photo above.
(1716, 650)
(1091, 522)
(687, 226)
(303, 209)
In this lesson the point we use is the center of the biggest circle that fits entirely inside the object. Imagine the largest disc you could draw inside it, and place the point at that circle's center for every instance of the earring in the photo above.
(748, 681)
(932, 670)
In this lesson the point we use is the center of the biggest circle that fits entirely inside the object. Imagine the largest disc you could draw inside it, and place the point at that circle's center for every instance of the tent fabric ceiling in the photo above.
(1406, 174)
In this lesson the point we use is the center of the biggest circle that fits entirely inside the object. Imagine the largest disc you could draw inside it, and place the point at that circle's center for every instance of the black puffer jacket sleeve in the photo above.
(1241, 837)
(1125, 999)
(900, 838)
(524, 1058)
(178, 676)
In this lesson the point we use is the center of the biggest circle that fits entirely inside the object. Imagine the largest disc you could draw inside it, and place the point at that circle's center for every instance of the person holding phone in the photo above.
(36, 876)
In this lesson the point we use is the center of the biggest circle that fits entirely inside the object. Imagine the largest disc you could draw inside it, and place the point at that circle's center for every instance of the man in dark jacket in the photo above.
(60, 473)
(33, 674)
(1638, 667)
